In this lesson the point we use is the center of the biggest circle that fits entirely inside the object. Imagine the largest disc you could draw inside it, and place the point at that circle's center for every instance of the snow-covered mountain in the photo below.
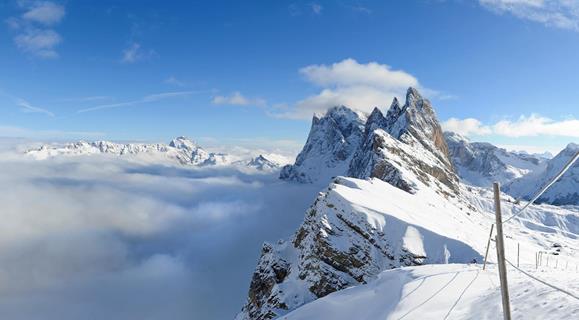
(481, 164)
(563, 192)
(344, 142)
(402, 205)
(332, 141)
(181, 151)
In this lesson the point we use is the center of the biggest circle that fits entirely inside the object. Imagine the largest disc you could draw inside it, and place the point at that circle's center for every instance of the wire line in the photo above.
(544, 282)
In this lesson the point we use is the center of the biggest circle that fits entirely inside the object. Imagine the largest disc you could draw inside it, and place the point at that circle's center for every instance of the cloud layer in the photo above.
(118, 240)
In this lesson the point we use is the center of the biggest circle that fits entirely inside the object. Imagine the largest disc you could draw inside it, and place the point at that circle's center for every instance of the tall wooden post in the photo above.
(501, 253)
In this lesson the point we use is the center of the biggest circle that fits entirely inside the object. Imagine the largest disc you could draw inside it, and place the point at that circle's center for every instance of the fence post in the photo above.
(518, 250)
(501, 253)
(488, 245)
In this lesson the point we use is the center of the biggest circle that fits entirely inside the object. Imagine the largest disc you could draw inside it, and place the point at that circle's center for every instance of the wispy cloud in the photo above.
(27, 107)
(135, 53)
(34, 33)
(316, 8)
(238, 99)
(525, 126)
(145, 99)
(24, 105)
(562, 14)
(172, 80)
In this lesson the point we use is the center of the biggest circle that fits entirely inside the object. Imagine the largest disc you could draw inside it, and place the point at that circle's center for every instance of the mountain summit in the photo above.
(406, 147)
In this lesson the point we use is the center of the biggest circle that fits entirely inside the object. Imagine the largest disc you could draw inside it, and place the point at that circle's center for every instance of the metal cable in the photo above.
(544, 282)
(565, 168)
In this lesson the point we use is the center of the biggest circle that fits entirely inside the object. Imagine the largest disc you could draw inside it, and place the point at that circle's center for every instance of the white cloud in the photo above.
(33, 34)
(145, 99)
(466, 127)
(348, 82)
(44, 12)
(237, 99)
(555, 13)
(316, 8)
(134, 53)
(535, 125)
(525, 126)
(39, 42)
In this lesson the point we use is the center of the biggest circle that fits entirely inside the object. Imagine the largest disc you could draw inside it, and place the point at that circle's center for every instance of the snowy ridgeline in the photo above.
(180, 151)
(400, 205)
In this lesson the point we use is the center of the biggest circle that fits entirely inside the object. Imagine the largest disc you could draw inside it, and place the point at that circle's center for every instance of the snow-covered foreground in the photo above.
(452, 291)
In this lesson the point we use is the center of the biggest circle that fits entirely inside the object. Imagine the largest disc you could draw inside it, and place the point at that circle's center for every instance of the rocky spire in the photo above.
(332, 141)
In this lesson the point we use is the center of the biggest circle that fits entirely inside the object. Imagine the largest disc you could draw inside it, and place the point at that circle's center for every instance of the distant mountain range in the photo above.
(180, 151)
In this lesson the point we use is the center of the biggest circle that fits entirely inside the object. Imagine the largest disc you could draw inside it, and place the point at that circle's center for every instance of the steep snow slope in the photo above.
(563, 192)
(447, 292)
(358, 228)
(481, 164)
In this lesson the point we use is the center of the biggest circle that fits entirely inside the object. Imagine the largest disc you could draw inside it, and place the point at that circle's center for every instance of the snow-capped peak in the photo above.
(182, 142)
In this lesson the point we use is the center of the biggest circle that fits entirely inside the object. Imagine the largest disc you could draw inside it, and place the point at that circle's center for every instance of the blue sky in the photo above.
(251, 73)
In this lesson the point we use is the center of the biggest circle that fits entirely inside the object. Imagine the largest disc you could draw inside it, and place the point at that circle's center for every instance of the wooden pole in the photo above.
(518, 250)
(501, 253)
(488, 245)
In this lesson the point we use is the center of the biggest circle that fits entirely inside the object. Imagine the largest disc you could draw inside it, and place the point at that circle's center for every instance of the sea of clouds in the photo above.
(103, 238)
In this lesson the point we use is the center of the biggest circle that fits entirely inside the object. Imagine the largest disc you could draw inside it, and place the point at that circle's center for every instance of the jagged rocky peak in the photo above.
(405, 148)
(332, 140)
(344, 142)
(416, 122)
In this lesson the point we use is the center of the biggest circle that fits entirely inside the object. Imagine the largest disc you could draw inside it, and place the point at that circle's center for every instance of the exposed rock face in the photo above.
(407, 143)
(332, 141)
(563, 192)
(481, 164)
